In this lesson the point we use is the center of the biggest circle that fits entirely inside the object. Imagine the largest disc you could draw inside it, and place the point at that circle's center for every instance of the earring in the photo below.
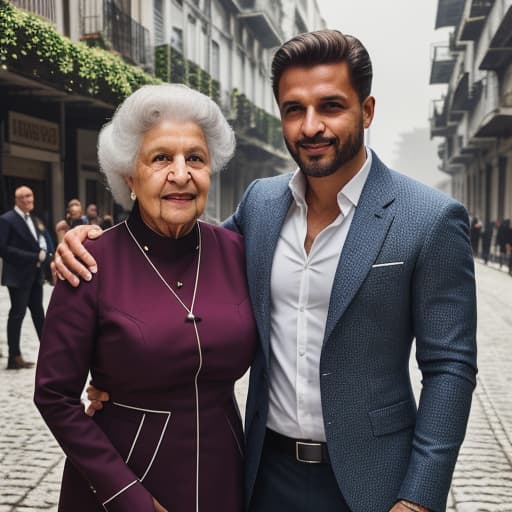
(133, 196)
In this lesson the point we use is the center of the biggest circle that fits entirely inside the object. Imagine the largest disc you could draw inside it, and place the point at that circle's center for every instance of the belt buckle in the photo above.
(297, 456)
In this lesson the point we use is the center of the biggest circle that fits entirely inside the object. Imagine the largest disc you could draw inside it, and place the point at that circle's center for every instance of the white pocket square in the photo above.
(393, 263)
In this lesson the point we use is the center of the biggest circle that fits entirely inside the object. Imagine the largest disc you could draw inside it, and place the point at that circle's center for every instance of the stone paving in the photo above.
(31, 461)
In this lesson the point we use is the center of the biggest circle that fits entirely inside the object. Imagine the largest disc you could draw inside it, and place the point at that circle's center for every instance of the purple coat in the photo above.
(166, 386)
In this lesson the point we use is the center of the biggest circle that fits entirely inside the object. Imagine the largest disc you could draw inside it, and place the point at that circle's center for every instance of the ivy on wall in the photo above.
(255, 122)
(32, 47)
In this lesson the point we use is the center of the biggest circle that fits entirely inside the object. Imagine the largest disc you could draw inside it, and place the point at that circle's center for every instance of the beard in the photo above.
(343, 153)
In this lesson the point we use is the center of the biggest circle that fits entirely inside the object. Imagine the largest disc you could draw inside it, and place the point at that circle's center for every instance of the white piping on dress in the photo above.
(197, 413)
(157, 448)
(135, 438)
(118, 493)
(154, 411)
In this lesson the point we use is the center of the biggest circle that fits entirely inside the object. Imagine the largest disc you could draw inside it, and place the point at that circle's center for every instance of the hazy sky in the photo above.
(398, 35)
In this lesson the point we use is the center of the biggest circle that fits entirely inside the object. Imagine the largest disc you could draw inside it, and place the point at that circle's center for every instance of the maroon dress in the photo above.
(172, 428)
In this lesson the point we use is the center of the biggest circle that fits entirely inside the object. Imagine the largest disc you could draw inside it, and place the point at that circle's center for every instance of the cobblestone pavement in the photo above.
(31, 462)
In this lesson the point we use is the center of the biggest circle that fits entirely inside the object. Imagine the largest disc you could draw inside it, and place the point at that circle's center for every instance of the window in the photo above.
(215, 60)
(158, 22)
(177, 39)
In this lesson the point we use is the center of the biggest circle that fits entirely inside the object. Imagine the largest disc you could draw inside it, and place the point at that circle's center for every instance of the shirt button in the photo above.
(301, 309)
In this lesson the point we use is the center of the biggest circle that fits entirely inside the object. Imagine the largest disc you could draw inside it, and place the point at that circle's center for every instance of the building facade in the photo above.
(55, 93)
(474, 116)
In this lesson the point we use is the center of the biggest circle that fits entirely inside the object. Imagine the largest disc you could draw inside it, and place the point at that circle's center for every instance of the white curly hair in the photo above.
(119, 140)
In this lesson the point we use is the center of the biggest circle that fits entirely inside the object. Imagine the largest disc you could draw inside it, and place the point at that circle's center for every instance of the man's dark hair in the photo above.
(325, 47)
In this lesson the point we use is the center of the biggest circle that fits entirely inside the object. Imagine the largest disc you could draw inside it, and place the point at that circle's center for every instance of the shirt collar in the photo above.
(351, 192)
(20, 212)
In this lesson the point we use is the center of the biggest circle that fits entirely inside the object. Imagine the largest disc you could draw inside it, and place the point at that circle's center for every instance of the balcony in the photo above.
(499, 51)
(263, 19)
(445, 153)
(103, 23)
(465, 95)
(490, 118)
(443, 63)
(473, 23)
(43, 8)
(449, 13)
(439, 126)
(497, 123)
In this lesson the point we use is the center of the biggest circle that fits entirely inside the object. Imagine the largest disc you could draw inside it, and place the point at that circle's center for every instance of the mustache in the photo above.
(316, 140)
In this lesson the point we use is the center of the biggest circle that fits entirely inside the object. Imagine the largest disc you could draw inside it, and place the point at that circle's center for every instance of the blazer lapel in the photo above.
(276, 209)
(22, 227)
(372, 219)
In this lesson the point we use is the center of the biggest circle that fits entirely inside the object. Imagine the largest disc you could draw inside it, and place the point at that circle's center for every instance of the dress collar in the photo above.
(155, 244)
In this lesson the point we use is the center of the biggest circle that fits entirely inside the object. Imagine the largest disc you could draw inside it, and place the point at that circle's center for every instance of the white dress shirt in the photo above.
(300, 294)
(30, 223)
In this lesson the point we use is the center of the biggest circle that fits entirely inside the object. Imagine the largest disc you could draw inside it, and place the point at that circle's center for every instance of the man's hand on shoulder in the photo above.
(71, 257)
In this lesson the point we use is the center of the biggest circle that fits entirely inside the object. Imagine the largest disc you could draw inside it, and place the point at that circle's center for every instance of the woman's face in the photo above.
(172, 177)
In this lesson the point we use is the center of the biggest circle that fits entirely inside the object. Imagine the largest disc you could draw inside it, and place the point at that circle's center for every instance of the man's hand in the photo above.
(96, 397)
(158, 507)
(72, 259)
(407, 506)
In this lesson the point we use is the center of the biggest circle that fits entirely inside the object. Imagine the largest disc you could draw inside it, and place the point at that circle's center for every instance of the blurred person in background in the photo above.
(25, 247)
(74, 217)
(92, 216)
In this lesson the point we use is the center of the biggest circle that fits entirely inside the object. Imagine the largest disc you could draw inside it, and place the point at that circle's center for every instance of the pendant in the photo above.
(191, 318)
(179, 284)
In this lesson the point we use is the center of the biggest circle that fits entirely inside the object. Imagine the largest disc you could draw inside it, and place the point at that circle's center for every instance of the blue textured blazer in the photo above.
(382, 446)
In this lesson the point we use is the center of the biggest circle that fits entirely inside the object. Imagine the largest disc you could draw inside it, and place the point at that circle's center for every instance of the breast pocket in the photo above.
(384, 282)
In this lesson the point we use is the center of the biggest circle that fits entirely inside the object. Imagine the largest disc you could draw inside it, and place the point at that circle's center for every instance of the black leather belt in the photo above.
(303, 450)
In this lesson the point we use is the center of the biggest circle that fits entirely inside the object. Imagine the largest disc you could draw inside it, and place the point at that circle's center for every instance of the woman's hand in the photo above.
(71, 257)
(158, 507)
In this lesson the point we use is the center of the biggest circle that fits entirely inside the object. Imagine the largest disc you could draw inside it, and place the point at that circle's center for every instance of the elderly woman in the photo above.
(166, 325)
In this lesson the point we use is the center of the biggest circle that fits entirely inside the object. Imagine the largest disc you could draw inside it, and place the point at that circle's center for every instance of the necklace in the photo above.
(190, 311)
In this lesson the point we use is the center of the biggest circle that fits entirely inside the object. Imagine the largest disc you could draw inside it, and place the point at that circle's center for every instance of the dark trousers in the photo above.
(285, 485)
(21, 298)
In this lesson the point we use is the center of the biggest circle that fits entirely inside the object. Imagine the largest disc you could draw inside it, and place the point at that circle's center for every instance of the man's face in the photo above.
(92, 211)
(322, 117)
(24, 199)
(75, 211)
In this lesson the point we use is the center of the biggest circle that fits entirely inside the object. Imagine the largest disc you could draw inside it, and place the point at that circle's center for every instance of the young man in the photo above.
(24, 248)
(354, 261)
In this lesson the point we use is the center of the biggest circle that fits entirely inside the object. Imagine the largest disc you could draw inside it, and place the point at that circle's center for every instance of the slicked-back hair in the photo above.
(325, 47)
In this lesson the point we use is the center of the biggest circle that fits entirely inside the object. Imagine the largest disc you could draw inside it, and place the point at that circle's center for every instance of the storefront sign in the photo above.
(33, 132)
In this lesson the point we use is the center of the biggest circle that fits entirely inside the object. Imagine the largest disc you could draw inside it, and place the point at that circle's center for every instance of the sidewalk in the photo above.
(31, 462)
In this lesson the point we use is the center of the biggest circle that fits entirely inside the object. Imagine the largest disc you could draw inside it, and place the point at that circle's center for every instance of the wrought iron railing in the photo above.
(103, 21)
(44, 8)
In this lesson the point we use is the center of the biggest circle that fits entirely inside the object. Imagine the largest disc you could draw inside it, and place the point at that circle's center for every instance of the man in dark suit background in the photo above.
(24, 248)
